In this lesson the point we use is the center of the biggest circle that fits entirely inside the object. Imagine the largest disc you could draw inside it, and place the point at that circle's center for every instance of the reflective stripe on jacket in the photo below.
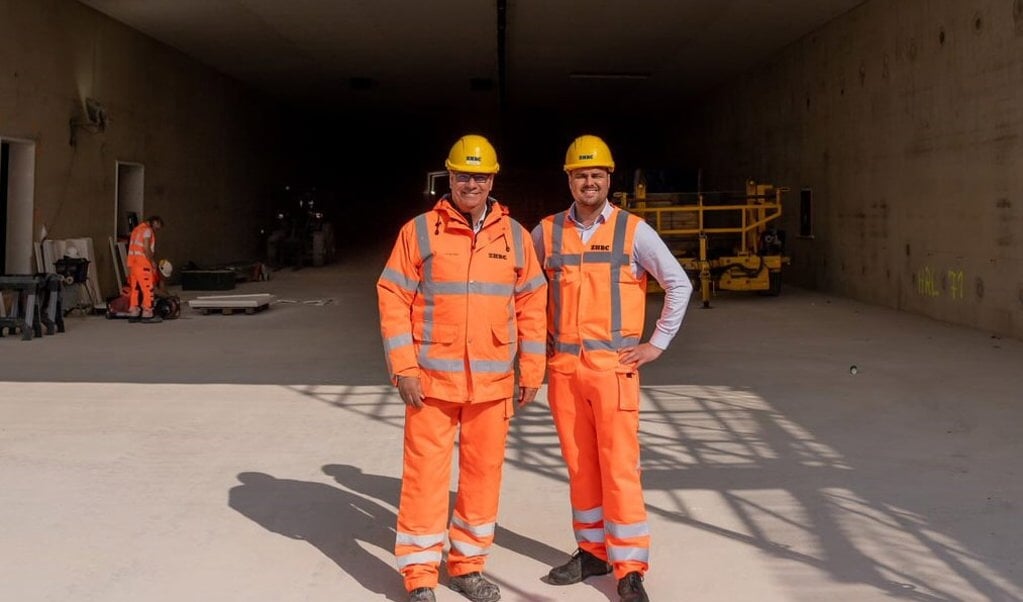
(456, 308)
(596, 304)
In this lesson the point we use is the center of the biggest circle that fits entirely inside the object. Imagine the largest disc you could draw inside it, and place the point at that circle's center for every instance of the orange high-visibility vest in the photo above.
(456, 308)
(137, 243)
(596, 304)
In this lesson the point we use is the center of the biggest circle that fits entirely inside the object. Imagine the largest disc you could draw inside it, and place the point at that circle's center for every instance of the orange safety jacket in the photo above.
(456, 307)
(137, 242)
(596, 304)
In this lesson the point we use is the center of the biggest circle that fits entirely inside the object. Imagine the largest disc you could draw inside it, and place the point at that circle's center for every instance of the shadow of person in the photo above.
(332, 520)
(388, 490)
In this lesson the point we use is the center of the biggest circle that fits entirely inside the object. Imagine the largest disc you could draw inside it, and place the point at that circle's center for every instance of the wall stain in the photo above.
(1006, 223)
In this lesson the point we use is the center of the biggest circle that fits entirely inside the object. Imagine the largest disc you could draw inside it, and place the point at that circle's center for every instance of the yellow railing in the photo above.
(676, 216)
(762, 206)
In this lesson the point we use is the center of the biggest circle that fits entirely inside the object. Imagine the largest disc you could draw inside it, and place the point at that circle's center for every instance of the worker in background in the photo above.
(461, 298)
(142, 270)
(597, 259)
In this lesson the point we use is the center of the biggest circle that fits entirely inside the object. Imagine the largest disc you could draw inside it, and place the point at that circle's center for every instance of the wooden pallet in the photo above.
(230, 304)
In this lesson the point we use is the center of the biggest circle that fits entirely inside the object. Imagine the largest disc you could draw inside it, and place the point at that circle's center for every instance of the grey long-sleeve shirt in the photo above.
(649, 254)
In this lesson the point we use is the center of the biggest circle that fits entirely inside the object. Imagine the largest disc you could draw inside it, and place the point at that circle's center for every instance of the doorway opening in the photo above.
(17, 190)
(806, 213)
(129, 196)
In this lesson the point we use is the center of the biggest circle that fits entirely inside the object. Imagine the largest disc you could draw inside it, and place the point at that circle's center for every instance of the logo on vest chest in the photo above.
(497, 256)
(600, 247)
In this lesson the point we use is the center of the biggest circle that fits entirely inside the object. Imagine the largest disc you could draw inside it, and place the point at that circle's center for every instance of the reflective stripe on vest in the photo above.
(429, 288)
(623, 328)
(136, 243)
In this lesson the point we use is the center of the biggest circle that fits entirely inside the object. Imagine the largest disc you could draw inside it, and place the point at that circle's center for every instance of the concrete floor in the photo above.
(257, 458)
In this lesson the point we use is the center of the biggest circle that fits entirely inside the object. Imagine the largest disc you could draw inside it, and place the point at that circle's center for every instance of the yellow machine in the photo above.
(723, 239)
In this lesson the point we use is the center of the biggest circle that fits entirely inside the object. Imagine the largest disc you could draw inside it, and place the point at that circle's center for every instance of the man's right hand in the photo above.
(411, 391)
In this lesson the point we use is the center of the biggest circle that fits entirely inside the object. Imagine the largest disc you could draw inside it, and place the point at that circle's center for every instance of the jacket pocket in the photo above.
(501, 332)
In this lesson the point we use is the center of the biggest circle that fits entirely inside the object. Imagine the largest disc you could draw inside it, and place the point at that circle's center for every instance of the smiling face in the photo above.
(589, 186)
(469, 191)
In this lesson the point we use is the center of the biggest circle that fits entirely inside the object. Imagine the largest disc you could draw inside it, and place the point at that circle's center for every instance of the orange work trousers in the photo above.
(596, 413)
(430, 431)
(141, 282)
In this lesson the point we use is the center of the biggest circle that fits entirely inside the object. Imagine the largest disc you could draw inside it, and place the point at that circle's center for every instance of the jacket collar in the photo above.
(495, 211)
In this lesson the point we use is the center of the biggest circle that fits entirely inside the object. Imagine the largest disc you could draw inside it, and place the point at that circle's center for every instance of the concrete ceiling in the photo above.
(447, 53)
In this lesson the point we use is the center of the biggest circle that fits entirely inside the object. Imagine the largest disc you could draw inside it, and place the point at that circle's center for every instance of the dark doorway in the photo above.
(806, 213)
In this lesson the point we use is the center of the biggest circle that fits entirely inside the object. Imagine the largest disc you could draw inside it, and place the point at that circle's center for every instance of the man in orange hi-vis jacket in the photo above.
(142, 270)
(461, 298)
(597, 258)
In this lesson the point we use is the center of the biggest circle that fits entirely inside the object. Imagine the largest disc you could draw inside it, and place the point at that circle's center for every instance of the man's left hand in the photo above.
(638, 355)
(526, 395)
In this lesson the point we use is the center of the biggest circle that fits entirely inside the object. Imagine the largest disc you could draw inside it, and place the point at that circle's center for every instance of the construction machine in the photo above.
(724, 240)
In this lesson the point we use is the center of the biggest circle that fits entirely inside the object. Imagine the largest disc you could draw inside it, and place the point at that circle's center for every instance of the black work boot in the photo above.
(630, 588)
(579, 567)
(421, 594)
(475, 587)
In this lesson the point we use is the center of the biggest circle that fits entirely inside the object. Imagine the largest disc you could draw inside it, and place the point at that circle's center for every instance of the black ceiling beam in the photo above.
(502, 53)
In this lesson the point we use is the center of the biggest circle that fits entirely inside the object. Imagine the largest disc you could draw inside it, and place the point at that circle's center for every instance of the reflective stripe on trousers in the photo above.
(423, 509)
(596, 413)
(141, 281)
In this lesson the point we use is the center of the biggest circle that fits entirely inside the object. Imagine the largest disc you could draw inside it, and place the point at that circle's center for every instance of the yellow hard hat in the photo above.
(588, 151)
(472, 154)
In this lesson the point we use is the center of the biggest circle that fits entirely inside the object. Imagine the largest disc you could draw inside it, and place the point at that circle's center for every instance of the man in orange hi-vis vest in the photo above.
(461, 299)
(142, 270)
(597, 258)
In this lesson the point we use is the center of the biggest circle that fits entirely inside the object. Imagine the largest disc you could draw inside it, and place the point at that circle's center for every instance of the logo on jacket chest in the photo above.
(600, 247)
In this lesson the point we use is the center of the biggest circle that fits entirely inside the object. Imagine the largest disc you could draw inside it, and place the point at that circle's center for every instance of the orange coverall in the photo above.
(141, 278)
(597, 307)
(457, 308)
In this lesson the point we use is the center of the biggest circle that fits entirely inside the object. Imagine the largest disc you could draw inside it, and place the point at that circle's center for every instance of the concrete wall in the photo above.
(904, 117)
(205, 141)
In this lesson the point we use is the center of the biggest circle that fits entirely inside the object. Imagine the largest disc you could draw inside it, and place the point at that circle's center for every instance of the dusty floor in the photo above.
(257, 458)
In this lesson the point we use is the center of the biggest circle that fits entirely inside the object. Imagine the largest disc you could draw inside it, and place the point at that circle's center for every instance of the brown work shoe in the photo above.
(421, 594)
(475, 587)
(630, 588)
(579, 567)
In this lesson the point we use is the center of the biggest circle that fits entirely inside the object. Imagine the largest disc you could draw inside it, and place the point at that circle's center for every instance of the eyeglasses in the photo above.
(479, 178)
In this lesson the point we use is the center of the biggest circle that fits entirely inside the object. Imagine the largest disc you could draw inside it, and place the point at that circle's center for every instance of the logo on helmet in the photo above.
(586, 157)
(473, 160)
